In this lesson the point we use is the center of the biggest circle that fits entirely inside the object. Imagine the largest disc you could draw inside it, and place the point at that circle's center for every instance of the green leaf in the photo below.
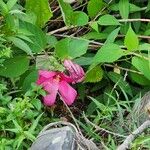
(94, 75)
(94, 7)
(83, 61)
(112, 36)
(94, 25)
(131, 40)
(3, 7)
(139, 78)
(29, 79)
(108, 20)
(118, 79)
(29, 136)
(21, 44)
(41, 9)
(148, 7)
(11, 3)
(142, 140)
(124, 8)
(51, 40)
(142, 65)
(136, 25)
(71, 48)
(37, 104)
(14, 67)
(66, 11)
(24, 37)
(95, 36)
(108, 53)
(132, 8)
(79, 18)
(38, 36)
(145, 46)
(34, 124)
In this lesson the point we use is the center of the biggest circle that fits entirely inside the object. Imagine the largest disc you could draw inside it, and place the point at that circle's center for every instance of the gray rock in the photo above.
(55, 139)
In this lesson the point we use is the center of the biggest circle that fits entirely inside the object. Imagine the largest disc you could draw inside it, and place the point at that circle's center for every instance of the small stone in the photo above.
(55, 139)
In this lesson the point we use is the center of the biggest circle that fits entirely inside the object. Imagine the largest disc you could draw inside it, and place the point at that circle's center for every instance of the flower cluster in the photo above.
(58, 83)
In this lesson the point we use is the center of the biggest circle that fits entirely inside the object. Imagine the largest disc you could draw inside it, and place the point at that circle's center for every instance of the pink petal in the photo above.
(76, 72)
(52, 88)
(45, 75)
(66, 78)
(67, 93)
(49, 99)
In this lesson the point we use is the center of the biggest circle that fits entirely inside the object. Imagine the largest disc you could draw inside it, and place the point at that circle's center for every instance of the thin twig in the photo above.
(74, 119)
(126, 144)
(139, 36)
(80, 38)
(125, 69)
(61, 29)
(134, 20)
(101, 129)
(138, 55)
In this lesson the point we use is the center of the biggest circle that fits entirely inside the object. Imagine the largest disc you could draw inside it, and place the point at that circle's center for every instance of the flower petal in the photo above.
(66, 78)
(67, 93)
(45, 75)
(49, 99)
(52, 88)
(76, 72)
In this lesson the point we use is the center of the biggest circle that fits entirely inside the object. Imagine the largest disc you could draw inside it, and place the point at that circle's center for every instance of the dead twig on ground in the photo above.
(126, 144)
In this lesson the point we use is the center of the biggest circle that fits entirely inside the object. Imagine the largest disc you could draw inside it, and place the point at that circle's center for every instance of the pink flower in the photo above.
(76, 72)
(56, 82)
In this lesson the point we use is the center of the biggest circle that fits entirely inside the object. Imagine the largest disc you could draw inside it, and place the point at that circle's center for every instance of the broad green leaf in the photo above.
(95, 36)
(112, 36)
(108, 53)
(131, 40)
(137, 24)
(51, 40)
(147, 32)
(108, 20)
(118, 79)
(83, 61)
(26, 38)
(94, 7)
(79, 18)
(3, 7)
(11, 3)
(148, 7)
(142, 65)
(94, 75)
(94, 25)
(71, 48)
(124, 8)
(37, 36)
(21, 44)
(145, 46)
(132, 8)
(30, 78)
(41, 9)
(14, 67)
(138, 78)
(66, 11)
(37, 104)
